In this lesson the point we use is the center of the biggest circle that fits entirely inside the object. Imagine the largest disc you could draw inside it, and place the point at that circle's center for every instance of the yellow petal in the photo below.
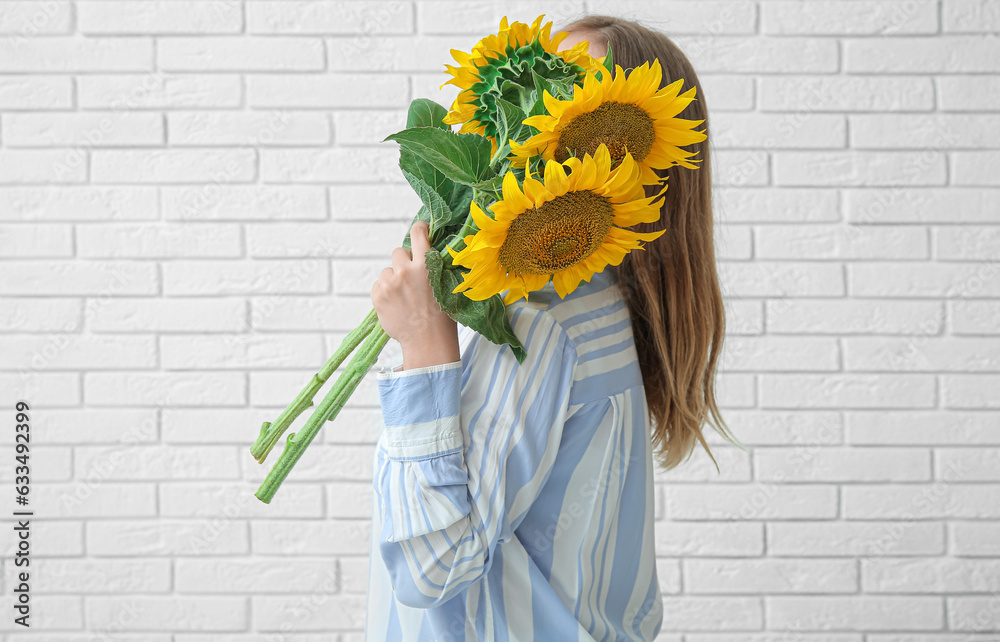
(514, 294)
(602, 163)
(534, 282)
(574, 164)
(622, 176)
(535, 190)
(617, 84)
(636, 213)
(648, 176)
(513, 196)
(552, 104)
(542, 122)
(483, 221)
(555, 178)
(611, 253)
(555, 40)
(624, 237)
(587, 176)
(566, 281)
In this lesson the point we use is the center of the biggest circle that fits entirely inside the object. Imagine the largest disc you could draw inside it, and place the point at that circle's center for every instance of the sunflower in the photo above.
(625, 113)
(563, 228)
(510, 54)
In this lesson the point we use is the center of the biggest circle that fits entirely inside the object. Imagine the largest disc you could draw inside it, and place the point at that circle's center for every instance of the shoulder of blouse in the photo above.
(594, 323)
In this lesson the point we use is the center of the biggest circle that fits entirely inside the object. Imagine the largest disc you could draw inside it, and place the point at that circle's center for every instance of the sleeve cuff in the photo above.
(397, 371)
(420, 408)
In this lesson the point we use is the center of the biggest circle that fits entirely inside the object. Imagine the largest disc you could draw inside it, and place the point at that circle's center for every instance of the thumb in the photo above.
(419, 242)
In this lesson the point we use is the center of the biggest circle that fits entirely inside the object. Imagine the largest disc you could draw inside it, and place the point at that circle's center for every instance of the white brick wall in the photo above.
(194, 203)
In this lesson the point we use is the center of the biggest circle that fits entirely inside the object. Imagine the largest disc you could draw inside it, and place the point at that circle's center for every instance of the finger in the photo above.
(419, 241)
(401, 258)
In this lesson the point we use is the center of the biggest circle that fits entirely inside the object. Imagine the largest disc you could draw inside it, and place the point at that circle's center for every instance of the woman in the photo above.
(515, 501)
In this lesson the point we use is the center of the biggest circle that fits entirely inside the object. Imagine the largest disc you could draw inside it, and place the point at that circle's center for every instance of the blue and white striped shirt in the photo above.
(515, 501)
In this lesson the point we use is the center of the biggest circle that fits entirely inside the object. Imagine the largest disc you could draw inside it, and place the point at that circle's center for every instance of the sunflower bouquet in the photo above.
(559, 146)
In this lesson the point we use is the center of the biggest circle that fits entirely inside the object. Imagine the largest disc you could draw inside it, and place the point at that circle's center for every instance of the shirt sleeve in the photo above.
(467, 447)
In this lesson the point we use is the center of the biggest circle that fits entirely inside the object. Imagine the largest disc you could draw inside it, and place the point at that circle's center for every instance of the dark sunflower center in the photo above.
(557, 235)
(617, 125)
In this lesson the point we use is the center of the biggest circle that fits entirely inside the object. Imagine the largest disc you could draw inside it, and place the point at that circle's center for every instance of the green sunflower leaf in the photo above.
(513, 118)
(459, 200)
(424, 112)
(435, 211)
(560, 90)
(410, 162)
(456, 195)
(510, 123)
(493, 186)
(464, 158)
(542, 85)
(537, 109)
(488, 318)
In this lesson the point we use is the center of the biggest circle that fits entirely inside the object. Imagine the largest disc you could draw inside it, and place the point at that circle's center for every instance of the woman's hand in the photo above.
(407, 310)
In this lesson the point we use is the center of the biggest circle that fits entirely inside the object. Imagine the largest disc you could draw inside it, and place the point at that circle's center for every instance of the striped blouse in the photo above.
(515, 501)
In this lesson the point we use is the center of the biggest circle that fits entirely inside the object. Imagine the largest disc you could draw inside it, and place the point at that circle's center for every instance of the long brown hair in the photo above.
(671, 287)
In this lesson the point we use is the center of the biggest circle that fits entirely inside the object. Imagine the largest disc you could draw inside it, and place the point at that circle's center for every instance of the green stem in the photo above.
(270, 432)
(502, 152)
(468, 228)
(331, 405)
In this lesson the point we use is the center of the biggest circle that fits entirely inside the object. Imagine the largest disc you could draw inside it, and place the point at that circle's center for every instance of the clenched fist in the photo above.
(407, 310)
